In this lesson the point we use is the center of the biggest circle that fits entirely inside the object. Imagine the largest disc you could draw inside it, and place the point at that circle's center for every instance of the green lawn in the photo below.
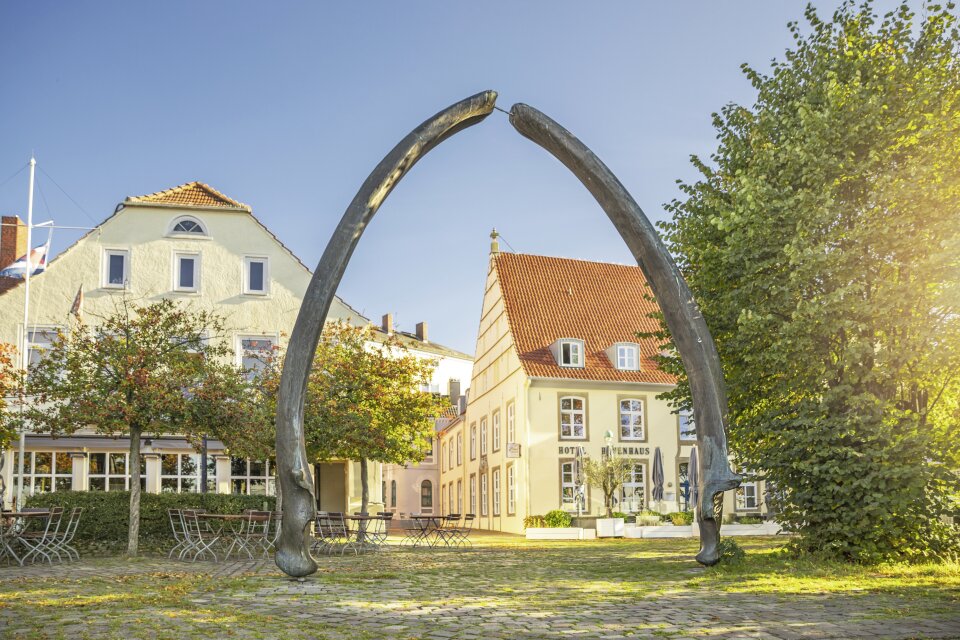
(505, 587)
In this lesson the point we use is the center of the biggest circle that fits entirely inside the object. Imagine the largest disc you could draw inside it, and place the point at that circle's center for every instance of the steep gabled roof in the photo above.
(600, 303)
(190, 195)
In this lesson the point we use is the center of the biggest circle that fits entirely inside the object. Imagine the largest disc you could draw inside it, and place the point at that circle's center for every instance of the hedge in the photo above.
(104, 523)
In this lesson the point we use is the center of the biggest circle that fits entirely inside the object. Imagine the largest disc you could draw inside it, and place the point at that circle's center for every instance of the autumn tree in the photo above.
(145, 370)
(822, 242)
(10, 381)
(364, 401)
(608, 473)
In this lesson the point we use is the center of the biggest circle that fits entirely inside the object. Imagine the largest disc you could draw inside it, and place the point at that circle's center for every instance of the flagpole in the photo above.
(25, 351)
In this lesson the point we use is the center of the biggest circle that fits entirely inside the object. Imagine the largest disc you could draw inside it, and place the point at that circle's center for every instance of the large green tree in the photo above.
(364, 402)
(144, 370)
(822, 242)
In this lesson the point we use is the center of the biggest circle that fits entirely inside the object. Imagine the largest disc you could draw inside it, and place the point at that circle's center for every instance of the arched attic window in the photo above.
(188, 225)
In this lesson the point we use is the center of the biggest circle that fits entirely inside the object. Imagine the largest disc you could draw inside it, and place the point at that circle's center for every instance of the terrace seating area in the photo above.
(39, 535)
(218, 536)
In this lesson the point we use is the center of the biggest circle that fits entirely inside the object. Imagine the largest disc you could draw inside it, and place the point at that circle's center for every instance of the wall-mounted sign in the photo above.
(513, 450)
(623, 451)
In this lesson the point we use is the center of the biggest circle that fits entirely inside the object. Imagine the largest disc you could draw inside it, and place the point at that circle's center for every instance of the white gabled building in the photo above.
(192, 244)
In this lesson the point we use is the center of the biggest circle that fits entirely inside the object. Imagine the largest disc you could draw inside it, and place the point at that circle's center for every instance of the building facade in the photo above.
(199, 247)
(560, 375)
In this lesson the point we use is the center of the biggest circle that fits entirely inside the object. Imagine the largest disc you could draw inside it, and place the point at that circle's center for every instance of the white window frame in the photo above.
(748, 500)
(572, 413)
(443, 497)
(429, 456)
(242, 351)
(177, 257)
(511, 489)
(484, 494)
(473, 441)
(105, 271)
(483, 436)
(268, 476)
(31, 475)
(684, 435)
(568, 480)
(473, 493)
(495, 425)
(628, 356)
(427, 483)
(495, 482)
(203, 233)
(511, 423)
(450, 496)
(247, 261)
(459, 448)
(630, 502)
(576, 352)
(443, 453)
(107, 476)
(460, 496)
(632, 414)
(38, 347)
(182, 478)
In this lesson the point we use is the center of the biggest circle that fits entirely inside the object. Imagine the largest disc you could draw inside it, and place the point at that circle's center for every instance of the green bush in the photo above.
(681, 518)
(557, 519)
(619, 514)
(534, 522)
(749, 520)
(730, 551)
(106, 514)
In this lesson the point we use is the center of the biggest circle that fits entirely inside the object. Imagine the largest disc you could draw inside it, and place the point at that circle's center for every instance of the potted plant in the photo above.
(608, 474)
(555, 525)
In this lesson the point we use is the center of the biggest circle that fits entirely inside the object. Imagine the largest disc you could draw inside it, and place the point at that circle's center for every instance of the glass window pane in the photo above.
(42, 462)
(168, 485)
(189, 464)
(98, 463)
(118, 484)
(238, 466)
(257, 468)
(168, 464)
(42, 484)
(239, 486)
(188, 485)
(116, 268)
(258, 487)
(256, 276)
(63, 484)
(98, 484)
(186, 273)
(64, 463)
(118, 463)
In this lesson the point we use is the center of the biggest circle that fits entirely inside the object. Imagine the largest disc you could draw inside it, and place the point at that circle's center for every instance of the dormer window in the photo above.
(628, 357)
(571, 353)
(187, 226)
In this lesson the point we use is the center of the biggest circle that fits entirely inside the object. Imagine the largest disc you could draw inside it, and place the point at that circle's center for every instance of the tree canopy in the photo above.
(10, 380)
(144, 370)
(822, 242)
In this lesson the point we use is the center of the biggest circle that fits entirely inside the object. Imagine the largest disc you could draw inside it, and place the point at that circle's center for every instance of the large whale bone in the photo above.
(293, 467)
(687, 326)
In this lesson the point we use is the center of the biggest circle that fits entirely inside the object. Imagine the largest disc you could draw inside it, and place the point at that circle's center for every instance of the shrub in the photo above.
(557, 519)
(106, 514)
(749, 520)
(618, 514)
(648, 518)
(730, 551)
(681, 518)
(534, 522)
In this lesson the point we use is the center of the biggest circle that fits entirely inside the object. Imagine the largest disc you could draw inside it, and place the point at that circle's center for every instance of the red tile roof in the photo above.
(600, 303)
(191, 194)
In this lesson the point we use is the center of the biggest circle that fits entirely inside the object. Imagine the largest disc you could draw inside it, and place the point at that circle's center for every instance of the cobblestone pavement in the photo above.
(485, 593)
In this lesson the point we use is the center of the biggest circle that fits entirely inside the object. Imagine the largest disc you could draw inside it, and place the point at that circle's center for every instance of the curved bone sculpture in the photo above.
(687, 326)
(296, 482)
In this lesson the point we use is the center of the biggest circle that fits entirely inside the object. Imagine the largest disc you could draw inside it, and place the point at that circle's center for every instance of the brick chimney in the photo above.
(13, 240)
(387, 324)
(422, 332)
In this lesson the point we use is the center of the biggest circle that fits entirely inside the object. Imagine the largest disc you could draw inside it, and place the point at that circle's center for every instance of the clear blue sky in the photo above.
(287, 106)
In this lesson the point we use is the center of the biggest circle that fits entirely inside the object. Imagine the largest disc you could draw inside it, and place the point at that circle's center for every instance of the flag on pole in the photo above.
(77, 307)
(38, 263)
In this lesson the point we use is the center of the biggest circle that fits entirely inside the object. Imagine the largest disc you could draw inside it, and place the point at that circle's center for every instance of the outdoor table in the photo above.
(427, 525)
(232, 527)
(365, 537)
(11, 525)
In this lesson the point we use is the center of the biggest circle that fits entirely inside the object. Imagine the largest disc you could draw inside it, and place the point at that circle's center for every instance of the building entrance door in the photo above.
(330, 483)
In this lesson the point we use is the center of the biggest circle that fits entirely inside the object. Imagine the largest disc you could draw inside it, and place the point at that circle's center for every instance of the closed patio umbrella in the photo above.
(693, 477)
(657, 493)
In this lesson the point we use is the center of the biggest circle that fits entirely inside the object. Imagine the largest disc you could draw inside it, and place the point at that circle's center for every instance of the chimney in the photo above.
(494, 243)
(387, 324)
(454, 391)
(13, 240)
(422, 332)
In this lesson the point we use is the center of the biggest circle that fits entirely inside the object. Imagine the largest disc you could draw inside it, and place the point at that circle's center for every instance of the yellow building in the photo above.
(559, 375)
(197, 246)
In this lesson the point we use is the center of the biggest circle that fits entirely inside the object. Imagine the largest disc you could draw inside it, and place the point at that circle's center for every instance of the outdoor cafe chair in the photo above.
(382, 531)
(200, 538)
(446, 530)
(419, 533)
(275, 523)
(330, 532)
(41, 542)
(460, 536)
(254, 533)
(177, 527)
(62, 540)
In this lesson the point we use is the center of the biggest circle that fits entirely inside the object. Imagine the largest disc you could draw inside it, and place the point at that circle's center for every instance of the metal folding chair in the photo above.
(40, 542)
(62, 540)
(200, 539)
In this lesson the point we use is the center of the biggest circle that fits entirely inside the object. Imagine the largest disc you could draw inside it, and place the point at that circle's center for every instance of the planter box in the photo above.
(610, 528)
(762, 529)
(555, 533)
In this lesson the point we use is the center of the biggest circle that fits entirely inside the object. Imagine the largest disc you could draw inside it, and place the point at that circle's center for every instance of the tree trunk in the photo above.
(133, 469)
(364, 486)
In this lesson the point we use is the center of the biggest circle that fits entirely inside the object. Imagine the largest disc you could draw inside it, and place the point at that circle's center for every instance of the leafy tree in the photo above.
(823, 245)
(363, 402)
(10, 380)
(145, 370)
(607, 474)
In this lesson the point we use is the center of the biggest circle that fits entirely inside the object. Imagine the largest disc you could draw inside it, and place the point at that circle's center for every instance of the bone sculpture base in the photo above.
(687, 327)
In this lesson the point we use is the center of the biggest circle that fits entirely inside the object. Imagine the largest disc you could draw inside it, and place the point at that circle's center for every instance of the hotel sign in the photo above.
(513, 449)
(622, 451)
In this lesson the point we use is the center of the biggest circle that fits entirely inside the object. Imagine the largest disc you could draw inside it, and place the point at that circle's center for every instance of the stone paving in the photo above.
(441, 595)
